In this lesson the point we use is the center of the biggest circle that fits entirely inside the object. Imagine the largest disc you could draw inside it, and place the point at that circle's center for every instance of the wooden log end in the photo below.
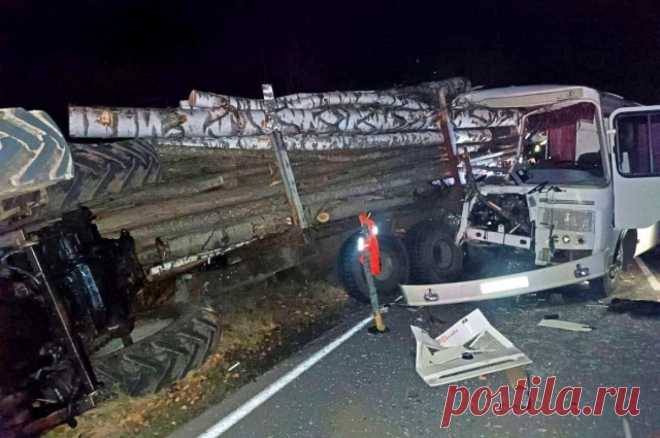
(323, 217)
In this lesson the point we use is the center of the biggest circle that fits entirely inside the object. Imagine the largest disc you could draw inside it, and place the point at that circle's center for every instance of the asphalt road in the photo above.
(368, 386)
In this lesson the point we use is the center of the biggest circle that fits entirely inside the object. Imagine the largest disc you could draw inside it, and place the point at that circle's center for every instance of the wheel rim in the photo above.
(442, 254)
(142, 330)
(617, 265)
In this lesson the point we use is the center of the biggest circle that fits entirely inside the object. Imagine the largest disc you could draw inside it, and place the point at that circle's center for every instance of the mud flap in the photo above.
(577, 271)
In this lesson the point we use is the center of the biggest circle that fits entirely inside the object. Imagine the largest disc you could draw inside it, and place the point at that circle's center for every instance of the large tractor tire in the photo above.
(103, 170)
(168, 343)
(395, 268)
(434, 257)
(15, 416)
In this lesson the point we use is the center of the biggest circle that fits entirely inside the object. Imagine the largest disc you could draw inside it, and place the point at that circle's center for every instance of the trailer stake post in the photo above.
(370, 260)
(283, 162)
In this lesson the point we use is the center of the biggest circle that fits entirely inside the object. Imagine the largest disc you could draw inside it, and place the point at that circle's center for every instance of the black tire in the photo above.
(103, 170)
(15, 414)
(164, 357)
(394, 262)
(604, 286)
(609, 283)
(434, 256)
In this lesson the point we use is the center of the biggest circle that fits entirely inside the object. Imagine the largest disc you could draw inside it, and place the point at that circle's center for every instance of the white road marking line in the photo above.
(244, 410)
(655, 284)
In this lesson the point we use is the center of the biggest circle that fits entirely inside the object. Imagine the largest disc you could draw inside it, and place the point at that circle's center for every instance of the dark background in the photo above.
(151, 53)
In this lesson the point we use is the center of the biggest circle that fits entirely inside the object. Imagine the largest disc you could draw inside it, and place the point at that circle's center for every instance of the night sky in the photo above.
(151, 53)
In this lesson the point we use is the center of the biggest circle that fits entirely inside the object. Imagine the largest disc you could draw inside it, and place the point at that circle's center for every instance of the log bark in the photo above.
(417, 97)
(172, 153)
(158, 192)
(370, 185)
(148, 214)
(313, 141)
(221, 235)
(170, 248)
(485, 118)
(226, 234)
(182, 225)
(107, 122)
(349, 174)
(321, 214)
(393, 98)
(178, 216)
(350, 151)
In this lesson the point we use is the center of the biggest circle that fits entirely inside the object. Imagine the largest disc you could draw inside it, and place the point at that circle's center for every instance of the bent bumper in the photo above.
(577, 271)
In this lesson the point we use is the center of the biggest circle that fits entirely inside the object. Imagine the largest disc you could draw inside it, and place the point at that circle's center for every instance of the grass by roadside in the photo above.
(262, 324)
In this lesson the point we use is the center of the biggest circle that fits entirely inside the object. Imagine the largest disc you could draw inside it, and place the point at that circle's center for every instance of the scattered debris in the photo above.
(635, 307)
(565, 325)
(596, 305)
(470, 348)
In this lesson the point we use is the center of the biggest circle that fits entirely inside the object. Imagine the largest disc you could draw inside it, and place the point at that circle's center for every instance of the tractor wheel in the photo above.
(167, 344)
(103, 170)
(434, 256)
(15, 415)
(395, 268)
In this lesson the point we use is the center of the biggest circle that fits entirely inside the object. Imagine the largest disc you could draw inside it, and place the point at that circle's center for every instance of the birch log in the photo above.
(182, 225)
(418, 97)
(170, 210)
(106, 122)
(203, 99)
(169, 248)
(485, 118)
(312, 142)
(158, 192)
(152, 213)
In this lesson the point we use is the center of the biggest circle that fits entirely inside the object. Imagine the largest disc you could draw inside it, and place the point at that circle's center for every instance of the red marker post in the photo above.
(370, 260)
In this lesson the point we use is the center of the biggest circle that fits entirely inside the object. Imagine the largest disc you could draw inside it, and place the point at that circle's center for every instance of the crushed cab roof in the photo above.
(526, 96)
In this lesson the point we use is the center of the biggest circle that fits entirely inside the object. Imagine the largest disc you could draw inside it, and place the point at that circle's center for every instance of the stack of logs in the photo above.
(220, 184)
(238, 198)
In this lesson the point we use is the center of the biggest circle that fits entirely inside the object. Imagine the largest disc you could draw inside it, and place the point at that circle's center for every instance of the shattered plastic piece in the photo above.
(565, 325)
(470, 348)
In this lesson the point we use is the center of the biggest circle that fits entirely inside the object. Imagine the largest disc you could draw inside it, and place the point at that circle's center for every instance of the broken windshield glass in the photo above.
(562, 146)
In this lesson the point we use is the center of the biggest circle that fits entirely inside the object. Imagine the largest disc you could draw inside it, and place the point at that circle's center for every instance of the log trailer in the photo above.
(92, 233)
